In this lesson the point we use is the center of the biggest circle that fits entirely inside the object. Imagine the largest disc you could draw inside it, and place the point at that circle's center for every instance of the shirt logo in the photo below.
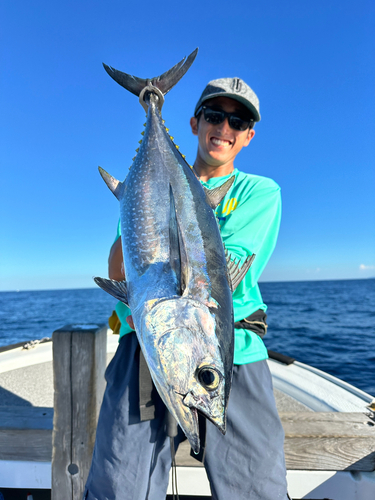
(228, 208)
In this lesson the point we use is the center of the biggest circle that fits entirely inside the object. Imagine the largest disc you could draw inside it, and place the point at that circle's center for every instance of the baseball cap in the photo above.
(236, 89)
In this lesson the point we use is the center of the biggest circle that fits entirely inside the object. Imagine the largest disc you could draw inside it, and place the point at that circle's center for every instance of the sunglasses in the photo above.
(217, 116)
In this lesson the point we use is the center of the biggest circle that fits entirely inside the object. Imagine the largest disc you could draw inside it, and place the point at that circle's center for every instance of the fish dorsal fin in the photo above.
(236, 273)
(215, 195)
(117, 289)
(163, 82)
(114, 185)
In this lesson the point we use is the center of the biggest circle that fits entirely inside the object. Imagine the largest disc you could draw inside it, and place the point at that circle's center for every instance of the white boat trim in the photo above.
(341, 383)
(193, 481)
(331, 485)
(301, 484)
(317, 390)
(40, 353)
(25, 474)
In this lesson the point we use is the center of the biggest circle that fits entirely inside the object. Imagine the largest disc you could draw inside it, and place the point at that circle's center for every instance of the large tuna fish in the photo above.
(177, 282)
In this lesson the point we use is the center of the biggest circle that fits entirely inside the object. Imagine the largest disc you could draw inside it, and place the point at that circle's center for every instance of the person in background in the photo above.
(132, 457)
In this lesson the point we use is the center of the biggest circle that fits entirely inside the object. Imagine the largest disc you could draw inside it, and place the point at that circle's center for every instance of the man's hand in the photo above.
(115, 262)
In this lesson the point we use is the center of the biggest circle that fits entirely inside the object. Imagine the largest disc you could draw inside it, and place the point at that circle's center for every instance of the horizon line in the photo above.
(260, 282)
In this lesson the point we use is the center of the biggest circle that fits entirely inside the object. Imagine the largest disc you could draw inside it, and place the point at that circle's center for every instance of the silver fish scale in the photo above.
(145, 223)
(147, 192)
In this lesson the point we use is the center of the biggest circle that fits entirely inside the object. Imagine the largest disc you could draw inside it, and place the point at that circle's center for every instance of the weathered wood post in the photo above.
(79, 361)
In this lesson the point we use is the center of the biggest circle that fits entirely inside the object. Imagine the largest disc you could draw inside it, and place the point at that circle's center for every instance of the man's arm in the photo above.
(115, 262)
(116, 269)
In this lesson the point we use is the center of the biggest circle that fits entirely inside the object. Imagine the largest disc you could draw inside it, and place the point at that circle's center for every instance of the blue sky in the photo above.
(311, 64)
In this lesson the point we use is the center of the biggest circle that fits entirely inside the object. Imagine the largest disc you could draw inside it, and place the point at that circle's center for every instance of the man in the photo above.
(132, 458)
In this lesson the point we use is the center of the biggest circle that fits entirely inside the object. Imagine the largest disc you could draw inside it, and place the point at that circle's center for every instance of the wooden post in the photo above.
(79, 362)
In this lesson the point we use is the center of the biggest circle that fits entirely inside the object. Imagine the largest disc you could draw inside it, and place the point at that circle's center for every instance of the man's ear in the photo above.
(194, 125)
(250, 135)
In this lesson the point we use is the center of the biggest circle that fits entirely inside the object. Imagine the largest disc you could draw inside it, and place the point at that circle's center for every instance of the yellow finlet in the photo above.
(177, 147)
(145, 123)
(167, 129)
(183, 156)
(134, 157)
(143, 132)
(171, 138)
(137, 150)
(140, 142)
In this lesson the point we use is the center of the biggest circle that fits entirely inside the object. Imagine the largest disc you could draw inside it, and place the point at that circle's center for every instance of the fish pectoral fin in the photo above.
(117, 289)
(215, 195)
(236, 273)
(114, 185)
(174, 243)
(177, 250)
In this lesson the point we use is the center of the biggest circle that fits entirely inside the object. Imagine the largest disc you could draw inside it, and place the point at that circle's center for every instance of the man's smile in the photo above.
(220, 142)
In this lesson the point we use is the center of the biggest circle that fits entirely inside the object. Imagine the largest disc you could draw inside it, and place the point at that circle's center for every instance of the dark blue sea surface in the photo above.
(326, 324)
(36, 314)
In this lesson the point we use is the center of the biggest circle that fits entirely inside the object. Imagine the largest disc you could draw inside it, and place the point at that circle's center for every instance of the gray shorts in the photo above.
(132, 459)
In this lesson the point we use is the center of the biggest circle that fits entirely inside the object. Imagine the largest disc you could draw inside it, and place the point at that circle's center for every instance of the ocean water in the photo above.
(326, 324)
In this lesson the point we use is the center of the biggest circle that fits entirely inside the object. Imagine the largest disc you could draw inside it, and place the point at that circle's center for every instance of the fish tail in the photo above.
(163, 83)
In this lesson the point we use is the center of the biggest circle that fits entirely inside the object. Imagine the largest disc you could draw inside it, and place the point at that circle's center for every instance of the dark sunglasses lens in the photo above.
(213, 116)
(238, 123)
(216, 117)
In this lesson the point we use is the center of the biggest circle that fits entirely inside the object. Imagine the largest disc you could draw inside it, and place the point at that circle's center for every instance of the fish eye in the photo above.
(209, 378)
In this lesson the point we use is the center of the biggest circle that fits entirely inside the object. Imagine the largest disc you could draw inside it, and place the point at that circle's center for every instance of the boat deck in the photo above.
(26, 379)
(33, 386)
(306, 398)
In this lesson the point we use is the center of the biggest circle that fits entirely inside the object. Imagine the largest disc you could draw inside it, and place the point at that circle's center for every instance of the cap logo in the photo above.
(237, 85)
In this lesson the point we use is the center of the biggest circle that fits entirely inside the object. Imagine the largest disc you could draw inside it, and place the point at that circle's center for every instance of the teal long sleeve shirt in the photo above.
(249, 219)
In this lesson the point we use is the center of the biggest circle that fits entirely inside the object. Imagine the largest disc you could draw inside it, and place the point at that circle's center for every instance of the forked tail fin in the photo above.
(164, 82)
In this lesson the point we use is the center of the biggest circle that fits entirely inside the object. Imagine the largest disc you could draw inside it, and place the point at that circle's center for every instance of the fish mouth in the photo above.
(209, 407)
(187, 417)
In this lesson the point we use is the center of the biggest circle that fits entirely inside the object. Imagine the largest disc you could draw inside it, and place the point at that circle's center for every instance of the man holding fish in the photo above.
(242, 443)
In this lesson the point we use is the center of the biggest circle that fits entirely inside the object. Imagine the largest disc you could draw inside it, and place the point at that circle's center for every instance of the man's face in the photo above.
(220, 144)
